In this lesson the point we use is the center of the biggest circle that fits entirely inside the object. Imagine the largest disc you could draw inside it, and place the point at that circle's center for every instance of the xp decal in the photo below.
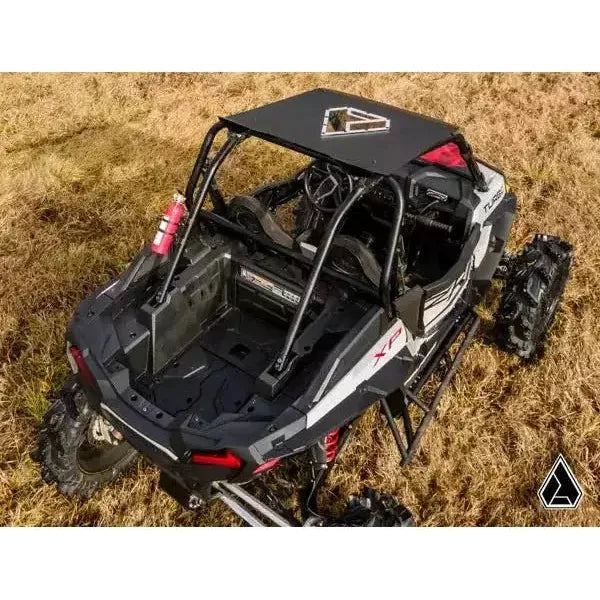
(232, 343)
(389, 344)
(376, 358)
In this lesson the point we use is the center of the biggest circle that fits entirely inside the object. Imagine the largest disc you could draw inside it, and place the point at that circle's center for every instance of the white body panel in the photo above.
(489, 202)
(436, 309)
(379, 355)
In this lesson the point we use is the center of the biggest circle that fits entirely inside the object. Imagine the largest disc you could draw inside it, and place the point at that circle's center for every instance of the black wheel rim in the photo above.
(98, 457)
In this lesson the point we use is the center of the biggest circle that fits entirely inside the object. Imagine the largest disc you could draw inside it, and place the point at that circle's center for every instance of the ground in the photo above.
(87, 165)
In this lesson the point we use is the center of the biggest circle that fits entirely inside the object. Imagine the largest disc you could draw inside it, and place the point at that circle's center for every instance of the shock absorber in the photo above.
(331, 445)
(168, 225)
(325, 451)
(322, 456)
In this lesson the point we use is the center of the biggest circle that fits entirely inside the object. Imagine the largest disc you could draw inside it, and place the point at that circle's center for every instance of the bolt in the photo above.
(194, 501)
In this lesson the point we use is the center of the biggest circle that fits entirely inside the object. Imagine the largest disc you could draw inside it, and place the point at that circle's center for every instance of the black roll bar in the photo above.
(266, 242)
(199, 164)
(467, 153)
(233, 140)
(386, 272)
(319, 261)
(195, 206)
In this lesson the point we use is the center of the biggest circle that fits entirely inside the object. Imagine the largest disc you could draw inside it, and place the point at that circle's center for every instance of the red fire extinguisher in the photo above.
(169, 224)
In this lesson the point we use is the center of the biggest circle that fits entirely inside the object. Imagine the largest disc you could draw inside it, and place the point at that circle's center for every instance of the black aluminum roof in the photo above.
(297, 122)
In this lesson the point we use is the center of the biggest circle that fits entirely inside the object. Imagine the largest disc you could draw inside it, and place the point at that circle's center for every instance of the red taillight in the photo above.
(222, 458)
(84, 370)
(266, 466)
(447, 155)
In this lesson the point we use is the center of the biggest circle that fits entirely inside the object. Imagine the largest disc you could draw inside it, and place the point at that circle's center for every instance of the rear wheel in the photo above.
(372, 509)
(534, 287)
(78, 449)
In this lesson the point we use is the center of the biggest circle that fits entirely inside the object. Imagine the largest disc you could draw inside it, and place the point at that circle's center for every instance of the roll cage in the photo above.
(197, 191)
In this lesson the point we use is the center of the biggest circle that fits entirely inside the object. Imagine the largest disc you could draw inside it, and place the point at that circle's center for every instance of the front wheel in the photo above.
(534, 287)
(78, 449)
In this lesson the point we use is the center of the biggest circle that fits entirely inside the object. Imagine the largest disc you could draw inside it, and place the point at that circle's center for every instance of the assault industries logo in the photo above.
(345, 120)
(560, 488)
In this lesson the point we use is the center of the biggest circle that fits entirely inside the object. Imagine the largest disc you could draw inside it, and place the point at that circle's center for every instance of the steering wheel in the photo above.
(326, 186)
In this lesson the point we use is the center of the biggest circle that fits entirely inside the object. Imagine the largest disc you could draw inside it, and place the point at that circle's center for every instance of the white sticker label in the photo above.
(270, 286)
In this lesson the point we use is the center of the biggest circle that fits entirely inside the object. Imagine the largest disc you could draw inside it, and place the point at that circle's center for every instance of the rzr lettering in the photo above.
(387, 346)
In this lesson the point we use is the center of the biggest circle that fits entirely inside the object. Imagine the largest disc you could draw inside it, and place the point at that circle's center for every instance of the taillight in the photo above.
(222, 458)
(82, 367)
(266, 466)
(447, 155)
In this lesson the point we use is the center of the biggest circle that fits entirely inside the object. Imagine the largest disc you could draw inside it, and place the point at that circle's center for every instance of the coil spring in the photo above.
(331, 444)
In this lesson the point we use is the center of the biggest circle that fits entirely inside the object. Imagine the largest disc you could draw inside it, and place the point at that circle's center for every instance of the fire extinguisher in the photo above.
(168, 225)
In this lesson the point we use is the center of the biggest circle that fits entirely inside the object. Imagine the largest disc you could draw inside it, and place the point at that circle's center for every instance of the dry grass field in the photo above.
(87, 163)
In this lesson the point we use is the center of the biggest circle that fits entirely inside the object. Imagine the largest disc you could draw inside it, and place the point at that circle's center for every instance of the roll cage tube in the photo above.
(233, 140)
(199, 164)
(474, 170)
(266, 242)
(334, 224)
(386, 273)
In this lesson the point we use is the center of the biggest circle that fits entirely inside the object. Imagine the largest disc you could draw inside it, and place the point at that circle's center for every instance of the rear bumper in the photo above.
(142, 439)
(150, 442)
(160, 437)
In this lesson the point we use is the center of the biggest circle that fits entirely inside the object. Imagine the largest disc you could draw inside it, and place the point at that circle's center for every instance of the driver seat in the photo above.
(250, 213)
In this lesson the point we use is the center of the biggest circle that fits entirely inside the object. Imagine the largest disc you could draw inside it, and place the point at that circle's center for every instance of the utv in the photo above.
(231, 343)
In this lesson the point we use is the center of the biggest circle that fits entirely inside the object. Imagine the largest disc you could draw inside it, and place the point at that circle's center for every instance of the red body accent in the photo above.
(387, 346)
(168, 225)
(222, 458)
(84, 370)
(447, 155)
(266, 466)
(331, 444)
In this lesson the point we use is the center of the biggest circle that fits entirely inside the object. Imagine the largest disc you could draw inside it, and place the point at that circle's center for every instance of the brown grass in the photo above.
(87, 163)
